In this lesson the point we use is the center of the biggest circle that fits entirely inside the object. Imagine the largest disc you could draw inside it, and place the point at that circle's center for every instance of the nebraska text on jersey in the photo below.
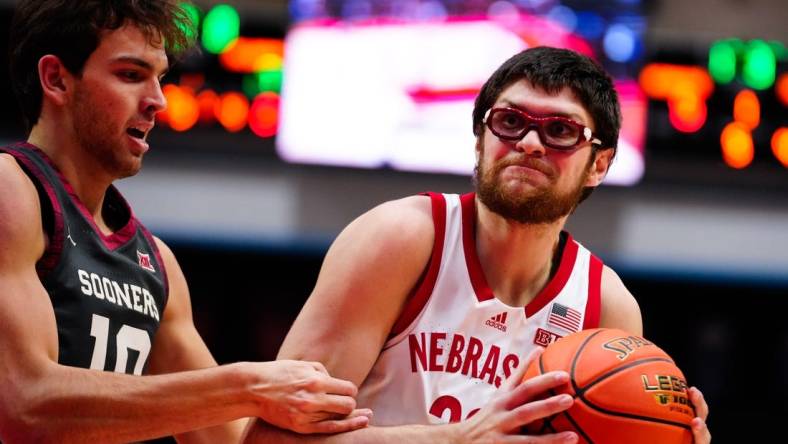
(434, 352)
(455, 342)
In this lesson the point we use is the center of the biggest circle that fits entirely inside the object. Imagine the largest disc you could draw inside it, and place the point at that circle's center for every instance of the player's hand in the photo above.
(517, 404)
(699, 429)
(302, 397)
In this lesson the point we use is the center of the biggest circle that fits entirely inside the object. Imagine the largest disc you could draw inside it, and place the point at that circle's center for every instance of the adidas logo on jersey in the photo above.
(498, 321)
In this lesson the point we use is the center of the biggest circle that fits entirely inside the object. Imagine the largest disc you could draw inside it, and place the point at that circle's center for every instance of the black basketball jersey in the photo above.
(108, 292)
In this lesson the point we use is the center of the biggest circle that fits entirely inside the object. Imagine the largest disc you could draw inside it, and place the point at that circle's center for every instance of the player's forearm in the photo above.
(75, 405)
(261, 433)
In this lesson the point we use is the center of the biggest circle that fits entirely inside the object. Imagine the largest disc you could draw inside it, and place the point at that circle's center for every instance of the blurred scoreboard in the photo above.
(390, 84)
(732, 106)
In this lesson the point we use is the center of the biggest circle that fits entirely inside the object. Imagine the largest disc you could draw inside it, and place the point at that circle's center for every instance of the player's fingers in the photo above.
(519, 372)
(535, 386)
(342, 405)
(361, 412)
(553, 438)
(530, 412)
(337, 425)
(336, 386)
(699, 402)
(700, 431)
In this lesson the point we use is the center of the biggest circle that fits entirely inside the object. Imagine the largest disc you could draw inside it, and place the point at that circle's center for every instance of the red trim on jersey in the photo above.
(475, 271)
(54, 247)
(594, 304)
(558, 281)
(114, 240)
(423, 290)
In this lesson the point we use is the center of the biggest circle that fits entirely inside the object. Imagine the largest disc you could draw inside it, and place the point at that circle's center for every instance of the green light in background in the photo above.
(250, 85)
(220, 27)
(722, 61)
(270, 81)
(759, 68)
(265, 81)
(780, 52)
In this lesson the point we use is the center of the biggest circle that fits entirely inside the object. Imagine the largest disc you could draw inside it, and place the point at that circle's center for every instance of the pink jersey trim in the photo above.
(114, 240)
(475, 271)
(594, 304)
(421, 295)
(54, 247)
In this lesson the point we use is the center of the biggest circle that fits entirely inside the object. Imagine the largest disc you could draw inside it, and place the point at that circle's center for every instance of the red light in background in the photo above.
(182, 110)
(685, 88)
(208, 102)
(687, 114)
(737, 145)
(264, 115)
(233, 111)
(780, 145)
(781, 88)
(747, 109)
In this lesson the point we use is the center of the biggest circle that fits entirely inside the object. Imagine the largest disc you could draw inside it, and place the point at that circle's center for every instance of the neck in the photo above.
(78, 167)
(516, 258)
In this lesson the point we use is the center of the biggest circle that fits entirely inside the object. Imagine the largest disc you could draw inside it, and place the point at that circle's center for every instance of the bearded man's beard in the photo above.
(540, 206)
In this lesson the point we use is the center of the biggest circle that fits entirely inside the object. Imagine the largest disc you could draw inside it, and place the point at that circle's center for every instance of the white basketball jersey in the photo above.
(454, 342)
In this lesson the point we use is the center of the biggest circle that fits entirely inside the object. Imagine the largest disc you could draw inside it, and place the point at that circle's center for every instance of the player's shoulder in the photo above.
(402, 225)
(167, 256)
(20, 210)
(405, 219)
(413, 209)
(18, 195)
(619, 307)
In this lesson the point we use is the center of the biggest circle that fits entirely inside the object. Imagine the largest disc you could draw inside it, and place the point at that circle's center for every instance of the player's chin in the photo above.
(128, 167)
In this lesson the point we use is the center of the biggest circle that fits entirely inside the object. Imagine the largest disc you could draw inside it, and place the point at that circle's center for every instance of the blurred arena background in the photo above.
(296, 117)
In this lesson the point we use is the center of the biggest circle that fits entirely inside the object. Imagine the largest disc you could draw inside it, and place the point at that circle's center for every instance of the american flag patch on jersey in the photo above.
(564, 317)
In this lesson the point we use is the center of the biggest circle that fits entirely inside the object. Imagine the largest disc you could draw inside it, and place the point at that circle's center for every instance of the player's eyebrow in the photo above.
(139, 62)
(552, 112)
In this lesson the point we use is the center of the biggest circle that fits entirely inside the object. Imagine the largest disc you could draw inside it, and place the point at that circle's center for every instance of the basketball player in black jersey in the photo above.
(97, 342)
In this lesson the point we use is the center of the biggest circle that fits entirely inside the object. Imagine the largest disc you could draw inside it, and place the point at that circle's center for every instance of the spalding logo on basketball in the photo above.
(626, 390)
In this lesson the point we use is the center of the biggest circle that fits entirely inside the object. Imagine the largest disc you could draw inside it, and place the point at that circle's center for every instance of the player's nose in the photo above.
(154, 101)
(530, 143)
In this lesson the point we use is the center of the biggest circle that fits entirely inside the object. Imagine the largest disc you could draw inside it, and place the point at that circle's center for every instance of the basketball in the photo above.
(626, 390)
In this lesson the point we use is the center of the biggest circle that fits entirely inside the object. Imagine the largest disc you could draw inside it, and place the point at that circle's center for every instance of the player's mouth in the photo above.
(138, 134)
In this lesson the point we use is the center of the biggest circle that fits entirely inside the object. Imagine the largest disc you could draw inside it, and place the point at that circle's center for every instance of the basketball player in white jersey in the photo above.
(433, 303)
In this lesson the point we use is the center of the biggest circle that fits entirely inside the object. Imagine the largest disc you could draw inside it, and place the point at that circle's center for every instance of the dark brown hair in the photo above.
(71, 30)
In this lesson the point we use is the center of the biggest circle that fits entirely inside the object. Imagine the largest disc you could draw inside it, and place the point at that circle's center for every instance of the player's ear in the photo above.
(602, 159)
(53, 77)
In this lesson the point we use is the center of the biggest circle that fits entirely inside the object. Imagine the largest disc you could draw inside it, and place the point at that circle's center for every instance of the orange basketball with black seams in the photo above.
(626, 390)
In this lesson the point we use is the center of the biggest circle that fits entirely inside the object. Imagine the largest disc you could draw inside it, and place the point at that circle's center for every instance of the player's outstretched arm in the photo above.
(43, 401)
(179, 347)
(514, 405)
(363, 285)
